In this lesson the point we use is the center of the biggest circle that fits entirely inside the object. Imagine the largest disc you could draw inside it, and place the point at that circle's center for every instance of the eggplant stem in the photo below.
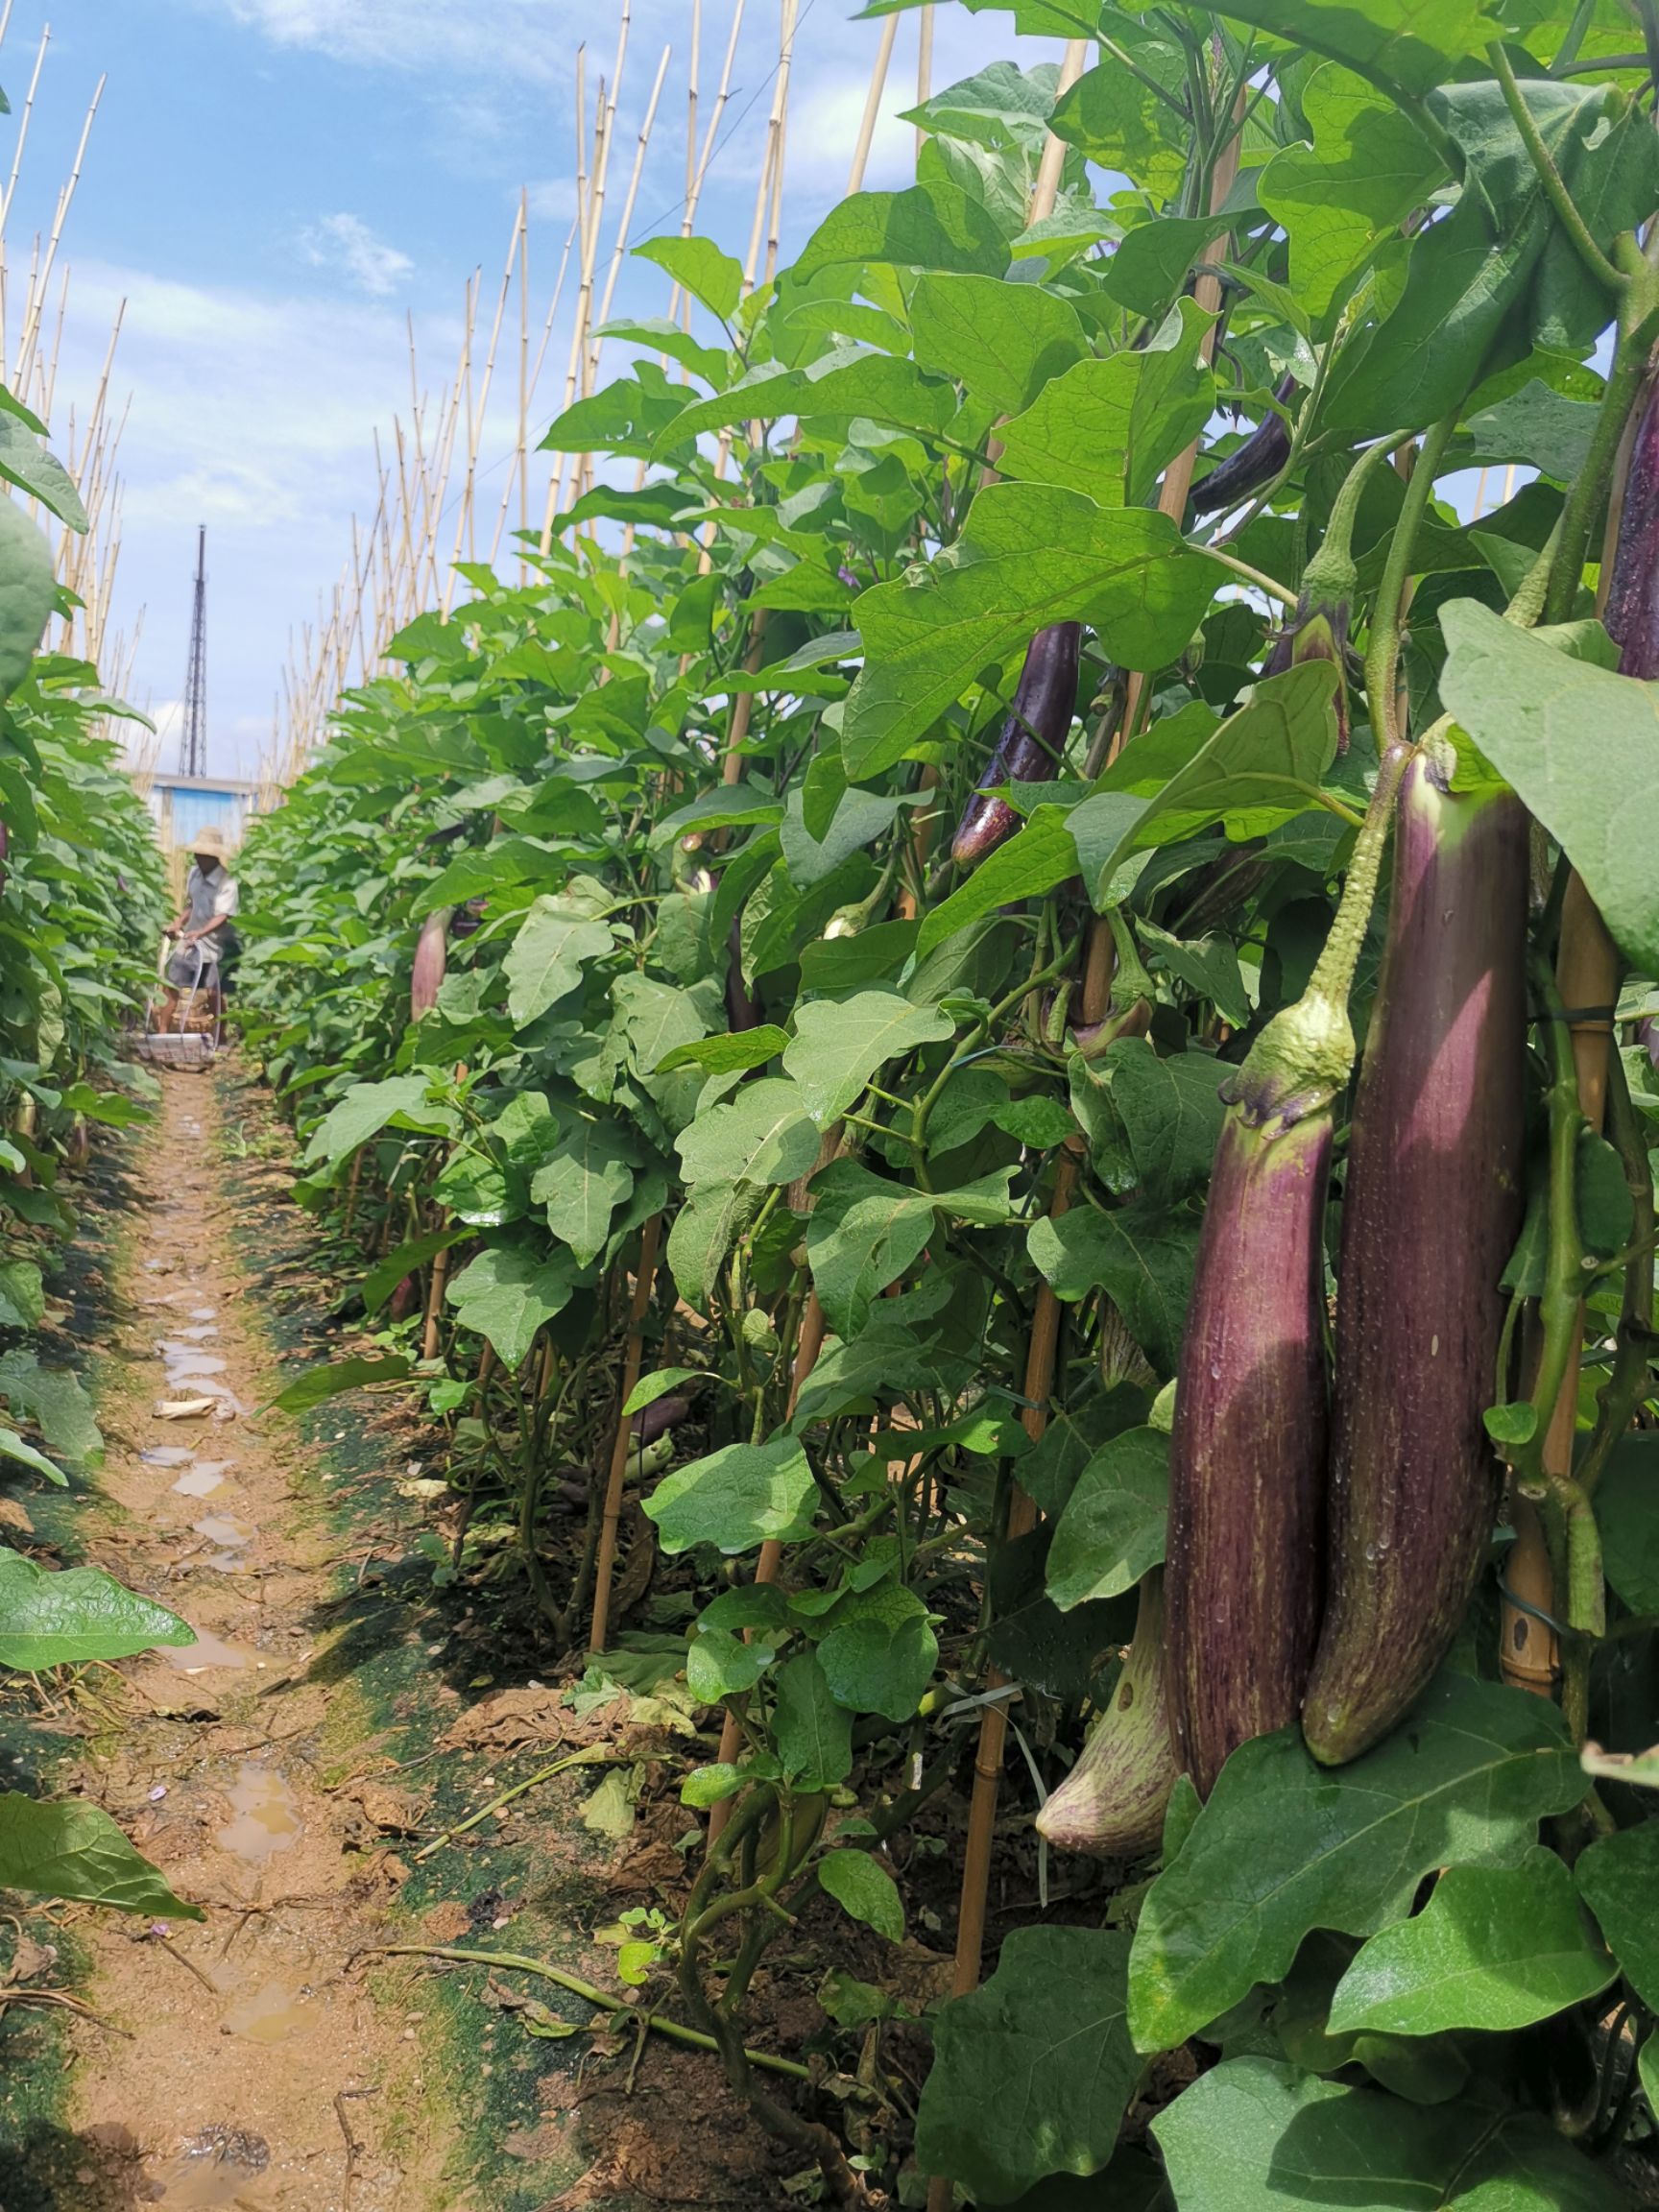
(1550, 177)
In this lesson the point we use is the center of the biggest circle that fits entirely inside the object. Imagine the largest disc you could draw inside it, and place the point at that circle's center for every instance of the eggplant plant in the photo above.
(81, 910)
(1072, 974)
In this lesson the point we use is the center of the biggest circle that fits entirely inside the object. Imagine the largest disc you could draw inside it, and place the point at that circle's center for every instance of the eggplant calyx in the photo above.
(1297, 1066)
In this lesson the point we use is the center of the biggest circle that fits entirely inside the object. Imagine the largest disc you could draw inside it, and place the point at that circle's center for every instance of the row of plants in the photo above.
(832, 1017)
(81, 898)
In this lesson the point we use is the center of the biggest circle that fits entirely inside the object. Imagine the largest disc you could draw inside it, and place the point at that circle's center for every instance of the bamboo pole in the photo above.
(924, 70)
(873, 107)
(65, 200)
(644, 1281)
(786, 60)
(1587, 978)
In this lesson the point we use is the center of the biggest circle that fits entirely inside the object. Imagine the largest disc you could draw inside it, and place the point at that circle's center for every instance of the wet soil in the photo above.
(297, 1771)
(230, 2041)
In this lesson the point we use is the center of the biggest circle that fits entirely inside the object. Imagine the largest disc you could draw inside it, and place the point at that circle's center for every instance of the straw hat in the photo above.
(209, 841)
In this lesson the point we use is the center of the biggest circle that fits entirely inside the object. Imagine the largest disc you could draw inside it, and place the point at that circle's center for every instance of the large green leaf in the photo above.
(1109, 426)
(380, 1281)
(698, 265)
(366, 1109)
(812, 1733)
(1116, 118)
(1499, 275)
(1416, 44)
(55, 1401)
(1258, 768)
(1618, 1878)
(333, 1380)
(72, 1849)
(840, 1043)
(1172, 1112)
(1036, 857)
(506, 1294)
(1142, 1256)
(82, 1614)
(588, 1177)
(28, 589)
(1112, 1529)
(879, 1651)
(928, 226)
(1284, 1846)
(1256, 2136)
(1528, 707)
(762, 1134)
(866, 1230)
(1005, 342)
(1032, 2073)
(737, 1498)
(1495, 1947)
(1029, 554)
(545, 959)
(1367, 168)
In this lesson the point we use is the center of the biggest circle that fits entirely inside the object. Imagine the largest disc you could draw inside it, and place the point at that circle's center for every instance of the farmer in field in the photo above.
(205, 927)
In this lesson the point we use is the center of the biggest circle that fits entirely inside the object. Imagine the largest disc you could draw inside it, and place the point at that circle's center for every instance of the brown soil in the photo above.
(294, 1773)
(251, 2056)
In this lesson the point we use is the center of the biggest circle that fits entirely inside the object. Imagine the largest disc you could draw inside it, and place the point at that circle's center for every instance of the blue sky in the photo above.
(271, 185)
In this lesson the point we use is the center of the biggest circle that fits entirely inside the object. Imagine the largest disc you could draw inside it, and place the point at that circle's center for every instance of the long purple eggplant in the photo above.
(1247, 1453)
(1431, 1212)
(1112, 1804)
(1032, 739)
(1255, 463)
(1632, 614)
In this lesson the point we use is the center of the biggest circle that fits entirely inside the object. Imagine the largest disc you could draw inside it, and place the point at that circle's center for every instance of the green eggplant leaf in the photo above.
(319, 1383)
(507, 1294)
(1028, 554)
(1253, 2135)
(840, 1044)
(1526, 706)
(737, 1498)
(1284, 1846)
(1495, 1947)
(1033, 2071)
(74, 1850)
(67, 1619)
(546, 958)
(812, 1733)
(1111, 1528)
(862, 1886)
(1616, 1878)
(1003, 342)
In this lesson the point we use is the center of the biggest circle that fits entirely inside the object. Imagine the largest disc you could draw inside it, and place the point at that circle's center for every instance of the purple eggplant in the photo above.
(1247, 1452)
(658, 1417)
(1112, 1804)
(1029, 748)
(1431, 1213)
(1255, 463)
(1632, 614)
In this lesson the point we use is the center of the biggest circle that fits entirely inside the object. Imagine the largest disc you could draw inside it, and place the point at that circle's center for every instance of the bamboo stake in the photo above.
(65, 199)
(924, 71)
(1587, 978)
(644, 1282)
(620, 246)
(873, 107)
(785, 57)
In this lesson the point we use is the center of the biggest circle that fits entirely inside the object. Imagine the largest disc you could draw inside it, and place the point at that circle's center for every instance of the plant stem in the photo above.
(1387, 615)
(1550, 177)
(516, 1962)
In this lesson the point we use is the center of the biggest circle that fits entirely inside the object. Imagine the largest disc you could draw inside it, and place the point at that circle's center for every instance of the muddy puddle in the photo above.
(267, 1816)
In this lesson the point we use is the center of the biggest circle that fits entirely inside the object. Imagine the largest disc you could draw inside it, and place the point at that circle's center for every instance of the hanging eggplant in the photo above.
(1112, 1804)
(1029, 748)
(1255, 463)
(1245, 1566)
(432, 958)
(1431, 1208)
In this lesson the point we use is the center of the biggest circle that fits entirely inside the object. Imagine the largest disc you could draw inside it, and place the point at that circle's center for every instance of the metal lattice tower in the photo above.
(193, 746)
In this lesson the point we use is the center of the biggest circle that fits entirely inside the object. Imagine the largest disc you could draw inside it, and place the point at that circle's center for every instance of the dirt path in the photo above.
(253, 2057)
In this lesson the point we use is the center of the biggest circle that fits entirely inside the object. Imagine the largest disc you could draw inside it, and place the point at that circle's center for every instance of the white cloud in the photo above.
(485, 37)
(346, 242)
